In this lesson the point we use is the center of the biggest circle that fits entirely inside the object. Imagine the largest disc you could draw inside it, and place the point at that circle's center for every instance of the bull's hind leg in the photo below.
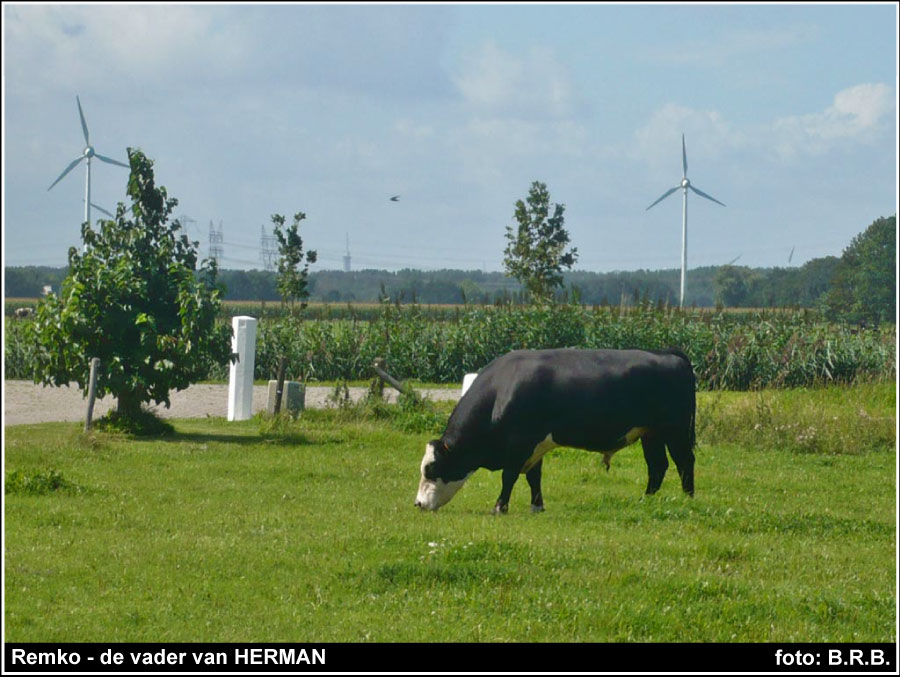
(534, 481)
(657, 464)
(679, 446)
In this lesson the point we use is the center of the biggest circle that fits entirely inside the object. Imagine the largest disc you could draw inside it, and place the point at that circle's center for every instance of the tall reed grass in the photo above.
(729, 351)
(767, 350)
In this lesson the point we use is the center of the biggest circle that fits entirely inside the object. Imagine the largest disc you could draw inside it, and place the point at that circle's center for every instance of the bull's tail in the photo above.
(693, 437)
(685, 458)
(692, 398)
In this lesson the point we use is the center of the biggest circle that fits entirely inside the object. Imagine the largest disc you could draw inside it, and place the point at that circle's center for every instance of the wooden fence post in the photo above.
(279, 388)
(92, 393)
(378, 367)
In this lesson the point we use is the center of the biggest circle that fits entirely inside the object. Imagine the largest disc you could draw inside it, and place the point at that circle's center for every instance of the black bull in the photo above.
(526, 402)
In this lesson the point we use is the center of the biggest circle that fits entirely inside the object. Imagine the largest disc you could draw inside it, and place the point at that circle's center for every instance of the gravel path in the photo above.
(25, 402)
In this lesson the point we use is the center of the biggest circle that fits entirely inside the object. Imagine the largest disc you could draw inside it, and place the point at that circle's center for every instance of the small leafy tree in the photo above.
(136, 299)
(293, 281)
(535, 254)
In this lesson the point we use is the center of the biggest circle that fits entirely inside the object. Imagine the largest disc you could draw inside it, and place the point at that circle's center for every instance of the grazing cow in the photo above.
(24, 312)
(527, 402)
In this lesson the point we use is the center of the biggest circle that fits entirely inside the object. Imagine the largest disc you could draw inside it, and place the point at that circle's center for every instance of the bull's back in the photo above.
(591, 398)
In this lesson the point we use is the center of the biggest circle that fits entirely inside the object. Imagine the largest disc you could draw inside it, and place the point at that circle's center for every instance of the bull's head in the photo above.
(440, 480)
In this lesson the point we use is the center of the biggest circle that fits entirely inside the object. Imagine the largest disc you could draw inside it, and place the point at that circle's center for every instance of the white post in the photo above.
(240, 376)
(467, 382)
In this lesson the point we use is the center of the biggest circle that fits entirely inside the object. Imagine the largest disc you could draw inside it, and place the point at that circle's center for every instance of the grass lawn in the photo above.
(225, 532)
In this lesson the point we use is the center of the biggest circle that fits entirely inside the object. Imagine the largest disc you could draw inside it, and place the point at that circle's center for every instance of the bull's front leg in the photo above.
(509, 479)
(534, 481)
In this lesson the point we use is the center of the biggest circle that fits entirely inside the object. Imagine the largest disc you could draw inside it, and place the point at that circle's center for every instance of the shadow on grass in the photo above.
(252, 439)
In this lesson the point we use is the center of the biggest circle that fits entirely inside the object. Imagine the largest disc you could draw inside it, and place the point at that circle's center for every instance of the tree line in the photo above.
(859, 285)
(733, 286)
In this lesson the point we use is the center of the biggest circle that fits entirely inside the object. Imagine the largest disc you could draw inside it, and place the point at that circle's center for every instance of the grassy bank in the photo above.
(246, 531)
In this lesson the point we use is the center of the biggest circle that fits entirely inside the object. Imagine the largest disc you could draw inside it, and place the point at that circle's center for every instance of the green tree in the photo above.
(730, 284)
(864, 286)
(293, 281)
(135, 299)
(535, 254)
(816, 275)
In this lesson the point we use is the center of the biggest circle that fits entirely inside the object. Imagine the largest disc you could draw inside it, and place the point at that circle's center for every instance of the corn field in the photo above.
(740, 352)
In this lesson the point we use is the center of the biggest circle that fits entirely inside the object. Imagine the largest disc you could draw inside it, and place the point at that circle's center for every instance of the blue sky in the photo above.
(789, 113)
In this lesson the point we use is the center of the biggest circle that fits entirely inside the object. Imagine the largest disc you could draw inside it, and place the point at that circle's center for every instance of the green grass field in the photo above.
(226, 532)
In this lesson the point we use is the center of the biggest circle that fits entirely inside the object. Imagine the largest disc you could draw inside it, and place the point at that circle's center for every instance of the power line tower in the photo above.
(347, 256)
(267, 249)
(186, 222)
(216, 239)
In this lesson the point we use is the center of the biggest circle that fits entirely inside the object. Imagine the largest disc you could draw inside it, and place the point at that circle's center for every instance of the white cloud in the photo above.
(706, 133)
(380, 51)
(858, 113)
(723, 48)
(410, 129)
(53, 45)
(516, 111)
(535, 85)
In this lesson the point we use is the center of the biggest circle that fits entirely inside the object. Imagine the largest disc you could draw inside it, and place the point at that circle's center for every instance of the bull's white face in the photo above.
(433, 493)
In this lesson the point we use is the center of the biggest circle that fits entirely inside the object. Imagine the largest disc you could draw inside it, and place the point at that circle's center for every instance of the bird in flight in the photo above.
(396, 198)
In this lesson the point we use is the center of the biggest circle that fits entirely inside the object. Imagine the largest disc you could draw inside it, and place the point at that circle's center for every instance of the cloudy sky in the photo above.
(789, 113)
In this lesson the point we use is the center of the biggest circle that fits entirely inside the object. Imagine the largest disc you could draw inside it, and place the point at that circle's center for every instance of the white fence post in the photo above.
(240, 374)
(467, 382)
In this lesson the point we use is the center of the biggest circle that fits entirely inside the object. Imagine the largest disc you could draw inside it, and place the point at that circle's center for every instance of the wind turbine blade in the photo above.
(683, 156)
(110, 160)
(734, 259)
(708, 197)
(66, 171)
(664, 196)
(87, 137)
(100, 209)
(791, 255)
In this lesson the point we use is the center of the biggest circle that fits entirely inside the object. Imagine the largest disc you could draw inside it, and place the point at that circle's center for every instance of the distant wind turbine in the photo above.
(684, 185)
(734, 259)
(792, 253)
(86, 155)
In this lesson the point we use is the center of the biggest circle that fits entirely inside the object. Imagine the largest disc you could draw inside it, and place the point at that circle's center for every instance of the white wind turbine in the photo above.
(684, 185)
(87, 154)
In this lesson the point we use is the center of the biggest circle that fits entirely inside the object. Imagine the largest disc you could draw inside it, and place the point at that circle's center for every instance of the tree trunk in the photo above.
(129, 404)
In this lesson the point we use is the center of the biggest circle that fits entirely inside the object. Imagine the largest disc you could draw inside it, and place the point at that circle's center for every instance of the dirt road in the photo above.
(25, 402)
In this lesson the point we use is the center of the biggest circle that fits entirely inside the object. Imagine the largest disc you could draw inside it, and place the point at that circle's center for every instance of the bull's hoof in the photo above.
(537, 508)
(500, 509)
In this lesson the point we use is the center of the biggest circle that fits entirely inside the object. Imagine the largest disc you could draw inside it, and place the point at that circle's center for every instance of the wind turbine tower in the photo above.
(87, 154)
(684, 185)
(347, 255)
